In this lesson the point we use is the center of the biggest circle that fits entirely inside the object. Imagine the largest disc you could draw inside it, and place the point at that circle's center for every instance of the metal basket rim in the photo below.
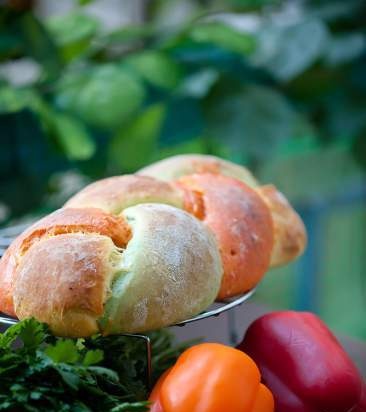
(228, 305)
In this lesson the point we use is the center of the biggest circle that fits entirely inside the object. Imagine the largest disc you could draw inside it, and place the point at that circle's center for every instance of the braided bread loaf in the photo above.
(134, 253)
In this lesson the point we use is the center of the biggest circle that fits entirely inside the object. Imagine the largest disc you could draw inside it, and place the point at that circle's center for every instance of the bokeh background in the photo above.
(90, 89)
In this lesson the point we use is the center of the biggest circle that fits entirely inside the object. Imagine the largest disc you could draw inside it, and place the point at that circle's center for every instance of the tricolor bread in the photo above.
(135, 253)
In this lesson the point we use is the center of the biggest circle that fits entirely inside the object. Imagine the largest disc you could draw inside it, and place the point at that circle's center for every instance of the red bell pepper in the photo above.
(303, 364)
(361, 407)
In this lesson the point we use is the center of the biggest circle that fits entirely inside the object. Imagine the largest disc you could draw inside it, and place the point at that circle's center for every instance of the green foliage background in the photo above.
(108, 102)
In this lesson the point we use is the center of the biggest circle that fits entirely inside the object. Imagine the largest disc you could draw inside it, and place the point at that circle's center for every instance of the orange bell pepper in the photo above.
(212, 378)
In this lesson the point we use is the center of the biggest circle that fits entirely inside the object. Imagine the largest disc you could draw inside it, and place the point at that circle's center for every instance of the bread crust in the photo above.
(241, 223)
(64, 281)
(62, 221)
(117, 193)
(289, 231)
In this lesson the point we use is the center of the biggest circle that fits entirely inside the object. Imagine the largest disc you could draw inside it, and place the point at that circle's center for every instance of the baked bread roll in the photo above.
(57, 223)
(84, 271)
(289, 231)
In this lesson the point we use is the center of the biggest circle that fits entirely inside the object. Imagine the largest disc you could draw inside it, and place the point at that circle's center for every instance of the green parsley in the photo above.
(39, 372)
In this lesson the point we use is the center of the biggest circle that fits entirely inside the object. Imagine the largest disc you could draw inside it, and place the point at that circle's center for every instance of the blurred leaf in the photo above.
(39, 45)
(345, 117)
(204, 55)
(72, 27)
(198, 84)
(156, 67)
(198, 145)
(211, 58)
(134, 144)
(335, 9)
(253, 121)
(252, 4)
(324, 172)
(72, 32)
(343, 49)
(104, 96)
(70, 85)
(129, 33)
(314, 84)
(12, 100)
(183, 121)
(26, 161)
(356, 76)
(10, 44)
(223, 36)
(359, 150)
(172, 13)
(85, 2)
(300, 145)
(73, 137)
(289, 51)
(16, 99)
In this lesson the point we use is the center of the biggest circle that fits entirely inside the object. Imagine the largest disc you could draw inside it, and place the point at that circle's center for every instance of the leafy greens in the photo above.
(39, 372)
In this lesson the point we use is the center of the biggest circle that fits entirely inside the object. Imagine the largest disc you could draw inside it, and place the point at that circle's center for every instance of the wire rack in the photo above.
(8, 234)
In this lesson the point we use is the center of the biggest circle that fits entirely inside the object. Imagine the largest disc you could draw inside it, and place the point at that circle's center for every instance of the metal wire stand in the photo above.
(7, 236)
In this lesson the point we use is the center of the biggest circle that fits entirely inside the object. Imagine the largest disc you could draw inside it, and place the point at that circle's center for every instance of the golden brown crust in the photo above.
(62, 221)
(7, 269)
(63, 280)
(88, 220)
(117, 193)
(175, 167)
(289, 230)
(241, 223)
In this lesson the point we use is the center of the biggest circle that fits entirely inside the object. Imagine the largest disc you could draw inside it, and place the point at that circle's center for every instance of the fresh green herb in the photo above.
(128, 356)
(39, 372)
